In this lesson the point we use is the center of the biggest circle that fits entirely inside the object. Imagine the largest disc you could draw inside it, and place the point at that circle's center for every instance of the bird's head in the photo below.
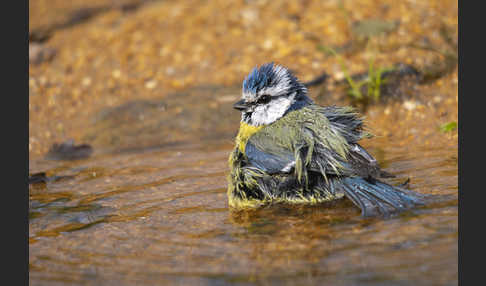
(269, 92)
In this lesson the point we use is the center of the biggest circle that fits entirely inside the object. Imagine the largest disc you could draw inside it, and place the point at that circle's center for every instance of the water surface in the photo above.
(159, 216)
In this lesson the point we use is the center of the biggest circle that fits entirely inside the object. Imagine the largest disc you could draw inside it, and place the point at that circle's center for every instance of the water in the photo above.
(159, 216)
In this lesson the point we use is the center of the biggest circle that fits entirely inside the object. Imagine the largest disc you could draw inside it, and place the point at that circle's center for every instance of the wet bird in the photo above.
(288, 149)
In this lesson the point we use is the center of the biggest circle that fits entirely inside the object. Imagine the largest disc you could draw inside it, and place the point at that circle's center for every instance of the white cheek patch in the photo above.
(269, 113)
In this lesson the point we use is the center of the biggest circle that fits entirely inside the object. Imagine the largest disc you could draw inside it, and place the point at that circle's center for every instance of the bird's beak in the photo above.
(241, 105)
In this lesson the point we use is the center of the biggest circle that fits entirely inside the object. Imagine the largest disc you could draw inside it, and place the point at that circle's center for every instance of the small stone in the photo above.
(268, 44)
(39, 53)
(339, 75)
(116, 73)
(86, 81)
(249, 16)
(151, 84)
(409, 105)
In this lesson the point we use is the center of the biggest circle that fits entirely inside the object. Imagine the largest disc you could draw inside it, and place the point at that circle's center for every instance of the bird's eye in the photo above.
(264, 99)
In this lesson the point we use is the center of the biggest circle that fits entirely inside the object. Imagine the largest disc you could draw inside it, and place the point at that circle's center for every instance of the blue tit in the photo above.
(288, 149)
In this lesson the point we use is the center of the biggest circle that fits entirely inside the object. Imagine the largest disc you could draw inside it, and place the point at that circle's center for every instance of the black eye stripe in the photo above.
(264, 98)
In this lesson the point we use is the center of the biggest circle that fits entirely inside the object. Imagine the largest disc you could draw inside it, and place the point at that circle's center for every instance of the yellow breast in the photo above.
(244, 134)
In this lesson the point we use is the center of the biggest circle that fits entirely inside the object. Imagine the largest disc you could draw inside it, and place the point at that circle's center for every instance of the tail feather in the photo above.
(374, 197)
(375, 204)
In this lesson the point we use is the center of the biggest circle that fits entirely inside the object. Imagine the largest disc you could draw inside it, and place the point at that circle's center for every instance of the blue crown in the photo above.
(259, 78)
(269, 75)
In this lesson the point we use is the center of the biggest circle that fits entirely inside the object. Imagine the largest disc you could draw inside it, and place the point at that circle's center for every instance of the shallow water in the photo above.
(159, 216)
(149, 206)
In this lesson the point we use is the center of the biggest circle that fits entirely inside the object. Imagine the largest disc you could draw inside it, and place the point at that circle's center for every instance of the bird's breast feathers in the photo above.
(245, 132)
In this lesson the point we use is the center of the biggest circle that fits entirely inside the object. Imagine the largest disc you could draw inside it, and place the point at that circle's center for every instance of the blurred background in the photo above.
(88, 55)
(131, 124)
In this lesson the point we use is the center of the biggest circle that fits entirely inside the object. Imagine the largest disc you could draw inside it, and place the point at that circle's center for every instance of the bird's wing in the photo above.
(350, 125)
(271, 160)
(321, 140)
(300, 141)
(346, 120)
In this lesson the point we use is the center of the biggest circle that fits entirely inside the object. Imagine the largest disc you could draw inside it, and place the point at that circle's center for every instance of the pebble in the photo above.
(86, 81)
(339, 75)
(116, 73)
(409, 105)
(151, 84)
(268, 44)
(39, 53)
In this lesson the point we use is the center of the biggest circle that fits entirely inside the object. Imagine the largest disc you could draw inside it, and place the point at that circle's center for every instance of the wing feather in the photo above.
(321, 139)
